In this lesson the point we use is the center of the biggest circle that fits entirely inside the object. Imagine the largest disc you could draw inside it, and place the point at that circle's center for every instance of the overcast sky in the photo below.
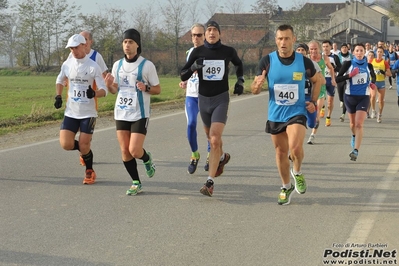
(92, 6)
(285, 4)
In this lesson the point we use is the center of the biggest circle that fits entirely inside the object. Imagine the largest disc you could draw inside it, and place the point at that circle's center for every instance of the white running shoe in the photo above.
(311, 139)
(379, 118)
(373, 114)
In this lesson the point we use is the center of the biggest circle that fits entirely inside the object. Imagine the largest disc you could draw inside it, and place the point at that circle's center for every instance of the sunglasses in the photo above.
(199, 35)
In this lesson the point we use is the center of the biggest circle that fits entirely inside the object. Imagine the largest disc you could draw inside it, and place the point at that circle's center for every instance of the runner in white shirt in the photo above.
(335, 49)
(85, 86)
(93, 54)
(135, 79)
(191, 103)
(96, 57)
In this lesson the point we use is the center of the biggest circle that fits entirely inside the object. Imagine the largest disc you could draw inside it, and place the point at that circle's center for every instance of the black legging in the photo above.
(341, 90)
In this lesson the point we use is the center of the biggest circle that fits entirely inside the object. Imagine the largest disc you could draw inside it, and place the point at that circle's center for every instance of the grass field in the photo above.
(27, 101)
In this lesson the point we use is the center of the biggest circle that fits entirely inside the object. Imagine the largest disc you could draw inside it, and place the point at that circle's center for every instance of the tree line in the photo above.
(33, 33)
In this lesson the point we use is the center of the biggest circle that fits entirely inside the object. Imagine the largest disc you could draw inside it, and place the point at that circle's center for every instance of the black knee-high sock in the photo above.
(145, 157)
(88, 158)
(76, 147)
(131, 167)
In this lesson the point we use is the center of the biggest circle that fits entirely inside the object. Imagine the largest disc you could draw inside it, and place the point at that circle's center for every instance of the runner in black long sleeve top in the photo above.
(211, 61)
(217, 51)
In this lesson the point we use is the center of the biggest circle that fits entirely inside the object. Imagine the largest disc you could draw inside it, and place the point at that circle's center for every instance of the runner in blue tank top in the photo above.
(286, 72)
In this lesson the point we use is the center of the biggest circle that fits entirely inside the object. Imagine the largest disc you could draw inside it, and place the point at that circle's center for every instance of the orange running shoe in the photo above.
(322, 112)
(82, 162)
(328, 122)
(90, 177)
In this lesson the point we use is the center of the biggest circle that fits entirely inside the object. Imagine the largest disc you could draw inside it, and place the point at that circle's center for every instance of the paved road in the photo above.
(47, 217)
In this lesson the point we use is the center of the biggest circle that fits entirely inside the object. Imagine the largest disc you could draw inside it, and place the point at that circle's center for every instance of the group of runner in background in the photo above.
(301, 89)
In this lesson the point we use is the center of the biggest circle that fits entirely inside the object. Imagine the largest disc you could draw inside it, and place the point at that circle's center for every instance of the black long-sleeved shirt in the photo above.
(211, 88)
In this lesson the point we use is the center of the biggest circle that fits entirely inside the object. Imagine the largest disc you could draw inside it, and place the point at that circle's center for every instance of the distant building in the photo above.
(248, 33)
(361, 22)
(308, 22)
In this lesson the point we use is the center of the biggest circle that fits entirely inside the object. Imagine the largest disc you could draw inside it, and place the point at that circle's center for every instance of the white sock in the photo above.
(222, 157)
(210, 178)
(287, 186)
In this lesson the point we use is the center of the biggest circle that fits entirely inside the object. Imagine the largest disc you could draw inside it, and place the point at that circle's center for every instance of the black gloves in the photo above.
(198, 64)
(239, 87)
(90, 93)
(58, 102)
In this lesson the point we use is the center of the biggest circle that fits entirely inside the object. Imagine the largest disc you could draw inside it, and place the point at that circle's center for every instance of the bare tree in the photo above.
(267, 7)
(234, 6)
(210, 8)
(106, 27)
(8, 38)
(58, 16)
(174, 13)
(43, 22)
(144, 22)
(303, 19)
(3, 5)
(193, 12)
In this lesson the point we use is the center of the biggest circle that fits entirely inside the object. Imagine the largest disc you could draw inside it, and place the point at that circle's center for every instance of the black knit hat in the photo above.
(212, 23)
(133, 35)
(304, 46)
(344, 44)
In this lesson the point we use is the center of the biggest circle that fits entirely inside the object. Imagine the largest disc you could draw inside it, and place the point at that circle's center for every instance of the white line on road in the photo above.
(109, 128)
(365, 223)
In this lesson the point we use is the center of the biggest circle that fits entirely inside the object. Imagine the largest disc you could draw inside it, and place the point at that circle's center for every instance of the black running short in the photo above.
(275, 128)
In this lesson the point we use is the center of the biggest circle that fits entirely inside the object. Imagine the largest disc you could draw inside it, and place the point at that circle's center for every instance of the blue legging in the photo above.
(192, 115)
(311, 117)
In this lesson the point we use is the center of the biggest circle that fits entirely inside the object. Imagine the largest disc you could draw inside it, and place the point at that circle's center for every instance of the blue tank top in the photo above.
(286, 88)
(93, 56)
(359, 84)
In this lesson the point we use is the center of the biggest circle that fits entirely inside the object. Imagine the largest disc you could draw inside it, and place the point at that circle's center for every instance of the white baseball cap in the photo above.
(75, 40)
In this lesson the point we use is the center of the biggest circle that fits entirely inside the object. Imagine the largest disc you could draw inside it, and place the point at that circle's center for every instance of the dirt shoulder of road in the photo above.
(51, 131)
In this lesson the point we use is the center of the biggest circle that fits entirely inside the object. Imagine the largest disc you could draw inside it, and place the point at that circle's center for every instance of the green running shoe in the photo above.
(285, 195)
(134, 189)
(149, 166)
(300, 183)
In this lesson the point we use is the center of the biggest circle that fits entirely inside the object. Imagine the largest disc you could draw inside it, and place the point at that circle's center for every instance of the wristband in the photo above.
(147, 88)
